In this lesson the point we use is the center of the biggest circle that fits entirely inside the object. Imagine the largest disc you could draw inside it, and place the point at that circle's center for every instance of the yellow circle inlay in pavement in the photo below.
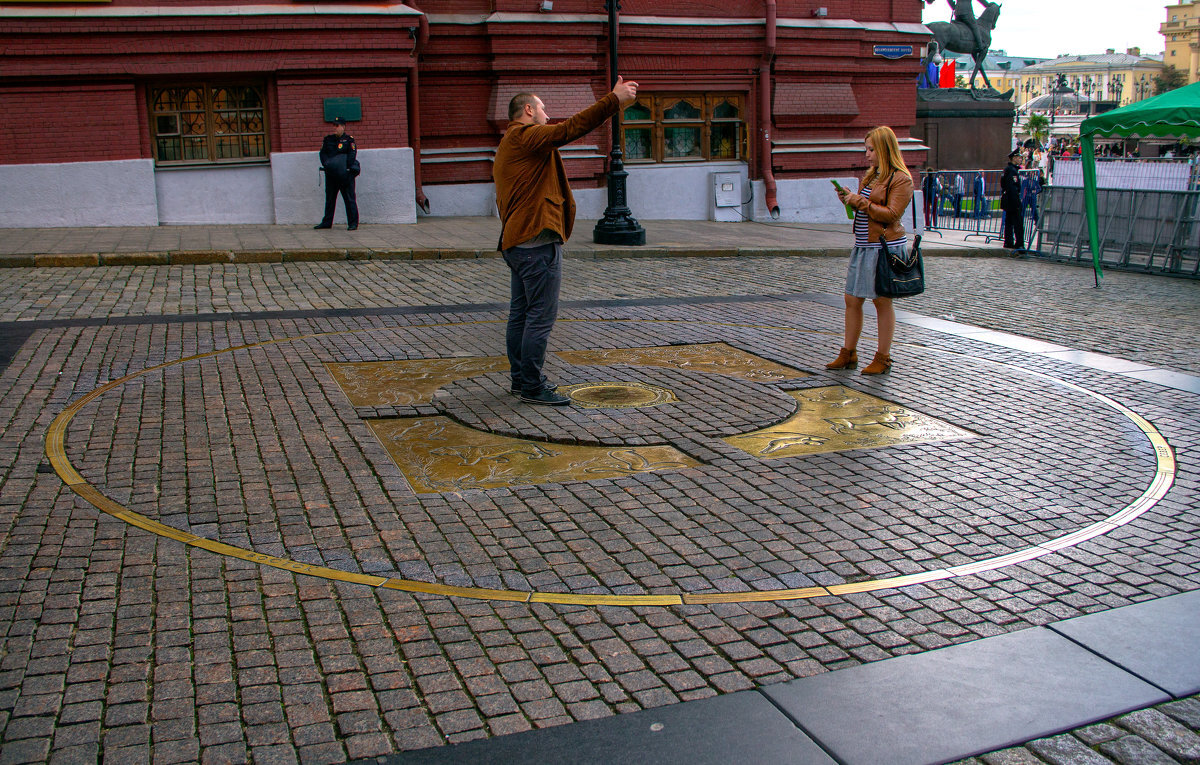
(1164, 477)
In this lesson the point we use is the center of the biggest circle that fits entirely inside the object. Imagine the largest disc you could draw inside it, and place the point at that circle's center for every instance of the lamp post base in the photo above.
(618, 225)
(622, 230)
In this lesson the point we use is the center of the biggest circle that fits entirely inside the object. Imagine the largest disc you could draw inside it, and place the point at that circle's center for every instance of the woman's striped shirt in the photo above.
(860, 227)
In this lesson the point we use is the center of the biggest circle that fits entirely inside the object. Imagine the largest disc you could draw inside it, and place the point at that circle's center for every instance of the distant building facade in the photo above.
(1116, 79)
(143, 112)
(1181, 36)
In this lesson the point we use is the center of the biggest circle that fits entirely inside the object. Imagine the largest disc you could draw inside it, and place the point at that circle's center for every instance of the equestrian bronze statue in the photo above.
(965, 34)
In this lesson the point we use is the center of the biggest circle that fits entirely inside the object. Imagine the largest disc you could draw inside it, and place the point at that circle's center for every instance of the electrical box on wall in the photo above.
(726, 197)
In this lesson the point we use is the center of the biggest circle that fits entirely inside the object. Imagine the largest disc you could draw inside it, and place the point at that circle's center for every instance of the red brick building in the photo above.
(178, 111)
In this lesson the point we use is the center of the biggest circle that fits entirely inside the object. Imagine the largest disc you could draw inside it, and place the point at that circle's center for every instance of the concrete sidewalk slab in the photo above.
(955, 702)
(1157, 641)
(743, 728)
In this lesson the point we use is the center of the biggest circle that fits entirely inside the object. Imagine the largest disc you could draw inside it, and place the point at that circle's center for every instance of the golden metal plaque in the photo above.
(616, 395)
(714, 358)
(409, 382)
(837, 419)
(437, 454)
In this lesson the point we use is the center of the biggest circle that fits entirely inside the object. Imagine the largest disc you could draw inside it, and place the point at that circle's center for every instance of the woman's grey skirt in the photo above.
(860, 278)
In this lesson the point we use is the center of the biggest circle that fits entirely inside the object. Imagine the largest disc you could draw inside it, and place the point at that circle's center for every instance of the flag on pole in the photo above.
(947, 77)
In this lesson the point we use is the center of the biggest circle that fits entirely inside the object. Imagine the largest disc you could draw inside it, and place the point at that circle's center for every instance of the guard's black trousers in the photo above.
(331, 193)
(1014, 227)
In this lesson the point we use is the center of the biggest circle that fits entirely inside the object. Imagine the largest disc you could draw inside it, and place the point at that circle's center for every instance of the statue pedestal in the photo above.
(965, 132)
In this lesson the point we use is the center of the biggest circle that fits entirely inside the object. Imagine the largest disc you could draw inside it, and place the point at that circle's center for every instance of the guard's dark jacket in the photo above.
(339, 157)
(1010, 188)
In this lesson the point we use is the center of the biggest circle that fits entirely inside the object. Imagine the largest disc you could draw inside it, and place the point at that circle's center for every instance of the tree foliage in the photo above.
(1169, 79)
(1038, 127)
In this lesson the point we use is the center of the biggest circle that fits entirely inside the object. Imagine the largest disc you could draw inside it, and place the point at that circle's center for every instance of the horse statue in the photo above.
(956, 37)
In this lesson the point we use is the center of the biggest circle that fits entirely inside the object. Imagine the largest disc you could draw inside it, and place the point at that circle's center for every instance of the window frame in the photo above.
(658, 124)
(211, 137)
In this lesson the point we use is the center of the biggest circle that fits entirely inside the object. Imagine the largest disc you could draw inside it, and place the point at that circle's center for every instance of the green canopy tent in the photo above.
(1174, 114)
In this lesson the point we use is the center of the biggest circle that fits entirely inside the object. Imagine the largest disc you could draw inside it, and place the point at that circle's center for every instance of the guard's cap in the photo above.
(339, 121)
(1014, 153)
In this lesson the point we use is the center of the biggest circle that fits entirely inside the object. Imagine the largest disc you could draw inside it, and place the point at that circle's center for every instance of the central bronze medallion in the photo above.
(617, 395)
(438, 454)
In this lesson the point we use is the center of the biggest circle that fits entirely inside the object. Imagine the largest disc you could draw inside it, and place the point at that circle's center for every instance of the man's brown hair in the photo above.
(517, 105)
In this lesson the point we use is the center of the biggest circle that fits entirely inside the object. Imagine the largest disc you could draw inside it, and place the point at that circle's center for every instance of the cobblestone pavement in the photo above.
(1041, 300)
(119, 643)
(1162, 735)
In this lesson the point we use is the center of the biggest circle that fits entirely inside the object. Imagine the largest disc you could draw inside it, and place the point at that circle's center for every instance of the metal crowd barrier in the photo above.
(1139, 230)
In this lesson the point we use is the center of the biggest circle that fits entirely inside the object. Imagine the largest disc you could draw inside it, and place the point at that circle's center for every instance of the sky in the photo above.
(1049, 28)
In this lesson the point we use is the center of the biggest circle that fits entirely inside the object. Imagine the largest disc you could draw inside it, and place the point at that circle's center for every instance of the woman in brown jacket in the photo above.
(884, 194)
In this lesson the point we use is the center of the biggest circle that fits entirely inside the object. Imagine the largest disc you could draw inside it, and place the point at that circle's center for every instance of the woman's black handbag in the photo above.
(897, 277)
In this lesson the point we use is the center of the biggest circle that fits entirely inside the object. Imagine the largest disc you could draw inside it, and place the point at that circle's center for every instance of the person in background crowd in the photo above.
(339, 162)
(884, 194)
(979, 187)
(931, 191)
(960, 189)
(1010, 203)
(1031, 186)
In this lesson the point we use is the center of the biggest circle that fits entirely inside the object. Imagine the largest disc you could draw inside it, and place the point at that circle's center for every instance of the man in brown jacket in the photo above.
(537, 213)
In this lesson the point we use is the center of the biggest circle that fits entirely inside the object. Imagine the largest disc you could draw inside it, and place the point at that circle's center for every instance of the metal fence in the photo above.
(1139, 230)
(969, 200)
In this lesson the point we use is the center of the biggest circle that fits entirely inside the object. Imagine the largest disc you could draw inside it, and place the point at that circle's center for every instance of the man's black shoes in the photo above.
(546, 397)
(546, 385)
(352, 228)
(322, 225)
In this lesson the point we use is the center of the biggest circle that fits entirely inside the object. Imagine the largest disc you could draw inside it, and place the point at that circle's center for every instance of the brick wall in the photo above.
(299, 111)
(70, 123)
(303, 59)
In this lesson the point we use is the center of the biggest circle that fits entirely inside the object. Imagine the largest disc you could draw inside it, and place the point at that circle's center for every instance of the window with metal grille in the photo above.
(207, 123)
(683, 127)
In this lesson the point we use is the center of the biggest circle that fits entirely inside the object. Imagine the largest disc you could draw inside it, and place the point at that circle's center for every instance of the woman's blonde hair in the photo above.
(888, 159)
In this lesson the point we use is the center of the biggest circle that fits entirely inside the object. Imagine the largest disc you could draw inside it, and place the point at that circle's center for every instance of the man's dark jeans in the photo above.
(536, 279)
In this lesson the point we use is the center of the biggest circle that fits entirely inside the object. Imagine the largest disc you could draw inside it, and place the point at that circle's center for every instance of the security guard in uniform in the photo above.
(339, 162)
(1010, 203)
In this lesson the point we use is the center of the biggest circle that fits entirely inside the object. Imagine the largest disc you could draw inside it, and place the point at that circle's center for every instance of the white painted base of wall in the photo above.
(804, 200)
(290, 190)
(119, 193)
(193, 195)
(659, 192)
(669, 192)
(385, 190)
(134, 193)
(476, 200)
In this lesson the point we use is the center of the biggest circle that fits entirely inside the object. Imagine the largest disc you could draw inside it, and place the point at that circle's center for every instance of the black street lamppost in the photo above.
(1115, 87)
(618, 225)
(1142, 87)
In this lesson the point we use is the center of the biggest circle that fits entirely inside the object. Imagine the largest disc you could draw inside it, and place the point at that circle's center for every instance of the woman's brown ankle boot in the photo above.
(879, 365)
(847, 359)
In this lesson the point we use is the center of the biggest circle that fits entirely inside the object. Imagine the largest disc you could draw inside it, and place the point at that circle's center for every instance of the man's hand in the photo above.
(626, 92)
